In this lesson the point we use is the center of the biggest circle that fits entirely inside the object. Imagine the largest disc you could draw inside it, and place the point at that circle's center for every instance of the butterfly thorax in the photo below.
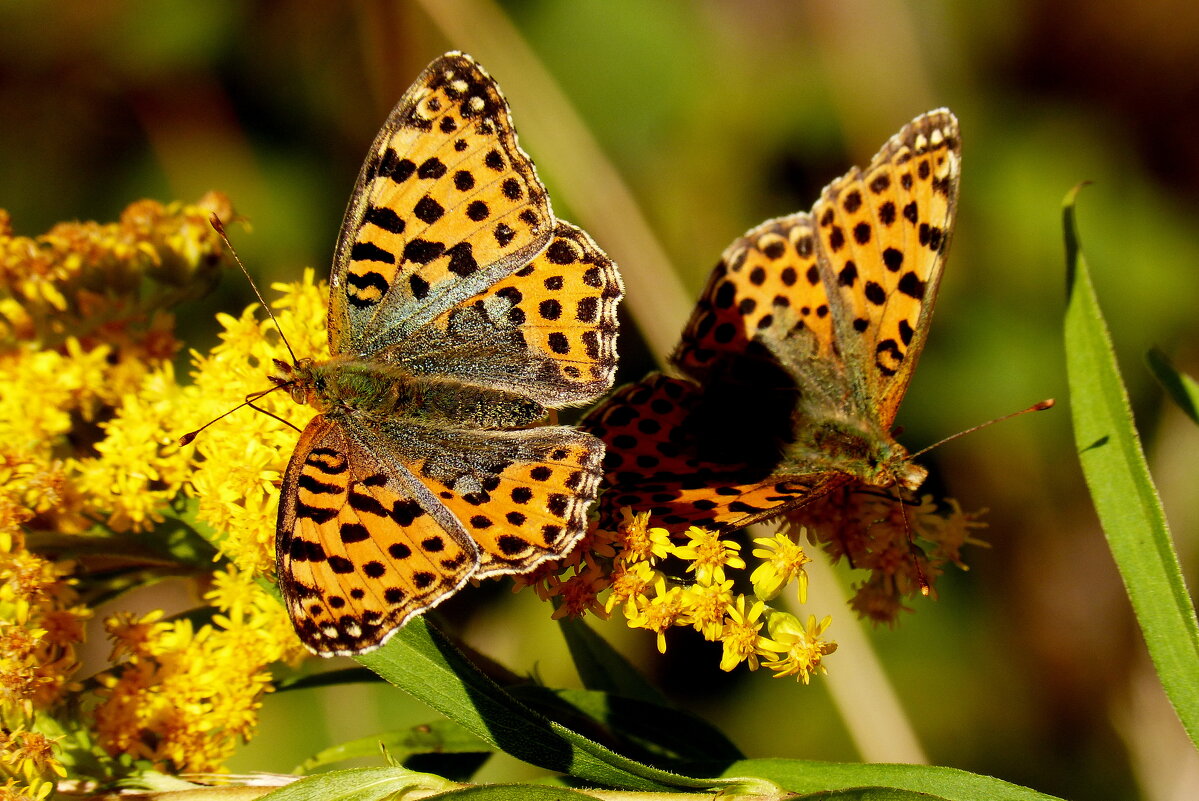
(347, 386)
(849, 447)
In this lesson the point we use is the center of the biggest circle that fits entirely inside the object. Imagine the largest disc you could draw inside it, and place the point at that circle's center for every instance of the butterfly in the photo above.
(460, 311)
(793, 364)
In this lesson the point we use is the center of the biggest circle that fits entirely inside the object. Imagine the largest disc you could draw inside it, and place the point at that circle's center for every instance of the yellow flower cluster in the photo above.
(185, 695)
(659, 584)
(26, 759)
(41, 624)
(87, 280)
(691, 581)
(90, 466)
(84, 349)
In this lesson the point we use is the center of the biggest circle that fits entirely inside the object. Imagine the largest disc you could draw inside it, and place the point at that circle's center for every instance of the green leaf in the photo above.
(424, 664)
(361, 784)
(439, 737)
(873, 782)
(1123, 492)
(601, 667)
(876, 794)
(1180, 386)
(514, 792)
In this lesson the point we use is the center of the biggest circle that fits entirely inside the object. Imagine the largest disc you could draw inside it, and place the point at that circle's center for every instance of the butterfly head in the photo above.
(304, 381)
(889, 464)
(908, 474)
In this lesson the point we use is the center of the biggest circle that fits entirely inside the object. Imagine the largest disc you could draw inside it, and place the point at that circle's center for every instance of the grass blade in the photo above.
(1180, 386)
(1123, 493)
(878, 781)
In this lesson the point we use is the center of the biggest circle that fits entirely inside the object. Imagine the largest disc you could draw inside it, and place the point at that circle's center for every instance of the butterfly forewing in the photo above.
(548, 331)
(357, 553)
(446, 204)
(883, 235)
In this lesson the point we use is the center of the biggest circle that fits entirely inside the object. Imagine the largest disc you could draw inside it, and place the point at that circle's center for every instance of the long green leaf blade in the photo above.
(515, 792)
(359, 784)
(805, 776)
(1123, 493)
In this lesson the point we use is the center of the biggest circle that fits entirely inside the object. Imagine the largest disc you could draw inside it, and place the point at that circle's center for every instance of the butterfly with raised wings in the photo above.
(793, 365)
(460, 311)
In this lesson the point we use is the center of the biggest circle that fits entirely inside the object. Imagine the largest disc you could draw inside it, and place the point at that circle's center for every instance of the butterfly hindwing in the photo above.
(521, 496)
(766, 281)
(446, 204)
(357, 554)
(655, 463)
(883, 236)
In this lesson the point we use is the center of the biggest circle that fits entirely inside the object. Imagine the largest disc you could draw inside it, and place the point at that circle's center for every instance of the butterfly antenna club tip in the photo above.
(190, 436)
(1039, 406)
(219, 227)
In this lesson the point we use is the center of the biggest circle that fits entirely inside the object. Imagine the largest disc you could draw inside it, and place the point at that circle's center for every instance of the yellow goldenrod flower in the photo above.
(140, 467)
(89, 421)
(741, 637)
(43, 389)
(705, 605)
(132, 635)
(243, 456)
(579, 594)
(27, 760)
(802, 649)
(40, 626)
(184, 697)
(783, 562)
(29, 754)
(640, 541)
(709, 554)
(660, 612)
(87, 278)
(632, 583)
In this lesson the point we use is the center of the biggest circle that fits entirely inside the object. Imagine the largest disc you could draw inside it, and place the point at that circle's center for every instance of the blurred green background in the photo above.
(714, 116)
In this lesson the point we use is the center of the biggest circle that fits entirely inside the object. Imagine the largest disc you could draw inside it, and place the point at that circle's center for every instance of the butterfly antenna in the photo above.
(925, 589)
(1036, 407)
(219, 227)
(187, 438)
